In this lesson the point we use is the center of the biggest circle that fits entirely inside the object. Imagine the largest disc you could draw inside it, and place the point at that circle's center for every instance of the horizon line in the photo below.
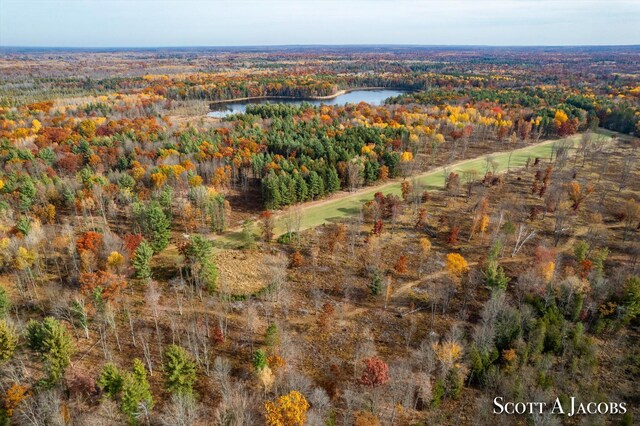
(312, 45)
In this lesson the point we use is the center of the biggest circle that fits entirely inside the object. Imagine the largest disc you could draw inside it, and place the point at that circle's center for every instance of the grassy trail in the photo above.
(346, 204)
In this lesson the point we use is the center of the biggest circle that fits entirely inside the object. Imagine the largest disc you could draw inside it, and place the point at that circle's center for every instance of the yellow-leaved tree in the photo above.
(547, 270)
(560, 118)
(24, 258)
(456, 265)
(287, 410)
(406, 157)
(115, 261)
(448, 353)
(425, 245)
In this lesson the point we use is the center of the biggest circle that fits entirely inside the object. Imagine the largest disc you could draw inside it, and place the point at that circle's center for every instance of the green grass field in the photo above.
(331, 210)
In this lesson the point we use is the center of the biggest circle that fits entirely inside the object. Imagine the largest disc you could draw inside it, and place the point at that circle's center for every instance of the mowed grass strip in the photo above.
(326, 211)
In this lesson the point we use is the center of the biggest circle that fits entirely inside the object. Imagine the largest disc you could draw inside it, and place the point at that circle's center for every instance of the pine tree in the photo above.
(271, 192)
(371, 172)
(53, 342)
(179, 370)
(142, 260)
(5, 303)
(157, 227)
(135, 391)
(333, 184)
(259, 360)
(284, 189)
(110, 380)
(131, 389)
(8, 341)
(200, 261)
(302, 189)
(217, 213)
(316, 186)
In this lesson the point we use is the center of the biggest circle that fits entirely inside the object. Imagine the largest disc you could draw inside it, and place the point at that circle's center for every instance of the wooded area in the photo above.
(156, 266)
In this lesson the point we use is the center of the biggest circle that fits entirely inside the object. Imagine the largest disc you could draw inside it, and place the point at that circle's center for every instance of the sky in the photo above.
(152, 23)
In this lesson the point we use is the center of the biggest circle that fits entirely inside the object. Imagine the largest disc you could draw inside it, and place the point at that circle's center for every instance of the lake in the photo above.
(373, 97)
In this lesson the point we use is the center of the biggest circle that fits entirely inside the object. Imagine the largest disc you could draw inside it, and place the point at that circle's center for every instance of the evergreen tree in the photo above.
(217, 212)
(110, 380)
(142, 260)
(53, 342)
(371, 172)
(153, 223)
(391, 160)
(292, 189)
(200, 261)
(165, 198)
(333, 180)
(302, 190)
(179, 370)
(5, 303)
(157, 227)
(259, 360)
(271, 192)
(316, 185)
(131, 389)
(283, 181)
(8, 341)
(135, 391)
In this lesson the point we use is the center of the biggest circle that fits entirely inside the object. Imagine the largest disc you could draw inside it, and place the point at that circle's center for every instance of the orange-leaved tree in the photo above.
(287, 410)
(376, 372)
(456, 265)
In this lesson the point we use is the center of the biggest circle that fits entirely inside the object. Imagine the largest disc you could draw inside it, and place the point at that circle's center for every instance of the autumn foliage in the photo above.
(14, 395)
(89, 241)
(375, 373)
(456, 265)
(287, 410)
(401, 265)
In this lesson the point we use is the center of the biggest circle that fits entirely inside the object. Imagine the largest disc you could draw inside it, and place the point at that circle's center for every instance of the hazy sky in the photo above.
(107, 23)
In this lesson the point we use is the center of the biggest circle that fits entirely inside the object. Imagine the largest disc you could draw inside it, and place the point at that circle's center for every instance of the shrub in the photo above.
(13, 397)
(259, 360)
(271, 336)
(456, 264)
(375, 286)
(296, 260)
(287, 238)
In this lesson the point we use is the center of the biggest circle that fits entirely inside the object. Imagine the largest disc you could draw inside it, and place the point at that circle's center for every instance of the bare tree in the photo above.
(181, 411)
(43, 409)
(235, 409)
(523, 234)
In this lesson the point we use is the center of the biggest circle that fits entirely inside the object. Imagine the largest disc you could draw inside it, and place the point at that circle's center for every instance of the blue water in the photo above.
(372, 97)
